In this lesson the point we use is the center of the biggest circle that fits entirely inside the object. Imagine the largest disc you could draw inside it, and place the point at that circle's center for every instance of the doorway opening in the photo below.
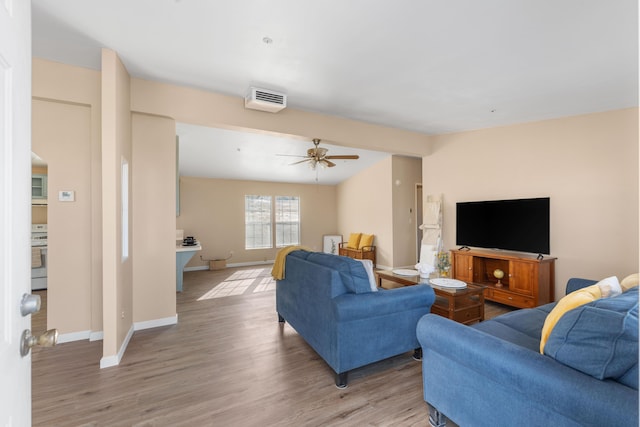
(39, 239)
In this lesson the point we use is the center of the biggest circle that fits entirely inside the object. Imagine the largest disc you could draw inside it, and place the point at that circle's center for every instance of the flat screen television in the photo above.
(521, 225)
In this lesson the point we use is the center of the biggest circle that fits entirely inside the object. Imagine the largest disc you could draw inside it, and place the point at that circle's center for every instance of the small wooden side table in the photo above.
(464, 305)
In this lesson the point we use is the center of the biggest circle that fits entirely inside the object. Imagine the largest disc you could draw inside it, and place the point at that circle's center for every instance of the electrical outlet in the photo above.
(123, 314)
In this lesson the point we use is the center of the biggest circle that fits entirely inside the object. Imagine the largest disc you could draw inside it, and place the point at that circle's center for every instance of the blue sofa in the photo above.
(492, 374)
(334, 305)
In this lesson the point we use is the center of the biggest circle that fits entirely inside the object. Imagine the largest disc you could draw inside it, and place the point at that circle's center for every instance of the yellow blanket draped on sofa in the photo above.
(278, 266)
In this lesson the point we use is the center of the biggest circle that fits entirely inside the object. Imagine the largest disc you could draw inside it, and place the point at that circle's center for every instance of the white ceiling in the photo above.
(423, 65)
(228, 154)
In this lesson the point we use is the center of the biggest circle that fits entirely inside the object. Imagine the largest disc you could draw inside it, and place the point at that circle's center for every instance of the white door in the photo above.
(15, 208)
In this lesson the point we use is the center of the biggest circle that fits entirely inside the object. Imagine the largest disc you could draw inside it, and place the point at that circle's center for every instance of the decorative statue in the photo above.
(425, 269)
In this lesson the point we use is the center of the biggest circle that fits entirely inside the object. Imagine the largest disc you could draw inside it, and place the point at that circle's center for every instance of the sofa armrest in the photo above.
(528, 376)
(385, 301)
(576, 283)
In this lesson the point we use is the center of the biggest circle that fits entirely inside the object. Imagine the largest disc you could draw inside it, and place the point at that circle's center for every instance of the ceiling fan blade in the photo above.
(301, 161)
(290, 155)
(317, 156)
(345, 157)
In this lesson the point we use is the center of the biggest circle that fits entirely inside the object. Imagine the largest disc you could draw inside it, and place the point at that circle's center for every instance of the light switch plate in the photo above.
(67, 196)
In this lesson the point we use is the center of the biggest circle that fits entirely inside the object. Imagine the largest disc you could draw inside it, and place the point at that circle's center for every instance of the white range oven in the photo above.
(38, 256)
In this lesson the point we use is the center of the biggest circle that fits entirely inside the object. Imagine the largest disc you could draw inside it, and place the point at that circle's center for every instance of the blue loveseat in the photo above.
(492, 374)
(333, 303)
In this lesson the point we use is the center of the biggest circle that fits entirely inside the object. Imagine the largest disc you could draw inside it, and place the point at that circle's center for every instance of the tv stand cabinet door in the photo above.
(462, 266)
(522, 277)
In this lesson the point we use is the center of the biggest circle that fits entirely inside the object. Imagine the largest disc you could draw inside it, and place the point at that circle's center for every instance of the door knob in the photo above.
(29, 304)
(48, 339)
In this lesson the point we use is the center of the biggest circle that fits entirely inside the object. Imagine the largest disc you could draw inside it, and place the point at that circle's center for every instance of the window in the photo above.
(257, 222)
(259, 214)
(287, 221)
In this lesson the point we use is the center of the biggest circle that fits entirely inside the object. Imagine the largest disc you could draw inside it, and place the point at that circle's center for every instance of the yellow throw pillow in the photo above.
(575, 299)
(629, 282)
(365, 240)
(354, 240)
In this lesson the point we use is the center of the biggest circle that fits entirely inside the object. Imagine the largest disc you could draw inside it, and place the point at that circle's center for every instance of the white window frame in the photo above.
(266, 224)
(281, 211)
(258, 218)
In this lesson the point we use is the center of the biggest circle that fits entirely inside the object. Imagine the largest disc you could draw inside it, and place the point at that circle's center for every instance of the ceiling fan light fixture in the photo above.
(318, 156)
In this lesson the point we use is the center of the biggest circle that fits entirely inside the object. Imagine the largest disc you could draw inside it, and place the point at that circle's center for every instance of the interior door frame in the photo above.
(15, 208)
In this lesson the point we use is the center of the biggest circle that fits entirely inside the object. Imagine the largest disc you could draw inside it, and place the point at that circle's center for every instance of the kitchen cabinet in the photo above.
(38, 186)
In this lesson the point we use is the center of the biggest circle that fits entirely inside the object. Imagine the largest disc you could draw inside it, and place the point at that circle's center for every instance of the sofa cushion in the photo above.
(600, 339)
(354, 240)
(368, 267)
(631, 281)
(521, 327)
(605, 287)
(352, 272)
(365, 240)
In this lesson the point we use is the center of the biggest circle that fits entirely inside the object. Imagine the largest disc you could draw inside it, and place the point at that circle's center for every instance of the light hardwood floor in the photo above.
(228, 362)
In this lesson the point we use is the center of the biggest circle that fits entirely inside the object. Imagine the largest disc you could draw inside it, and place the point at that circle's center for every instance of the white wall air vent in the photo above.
(265, 100)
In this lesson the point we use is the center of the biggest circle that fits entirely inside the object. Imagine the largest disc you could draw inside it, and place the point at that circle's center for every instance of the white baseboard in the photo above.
(109, 361)
(79, 336)
(233, 264)
(148, 324)
(96, 336)
(197, 268)
(246, 264)
(73, 336)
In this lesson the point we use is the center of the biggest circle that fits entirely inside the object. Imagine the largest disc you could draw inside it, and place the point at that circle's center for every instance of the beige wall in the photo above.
(364, 206)
(61, 135)
(212, 210)
(58, 89)
(211, 109)
(117, 289)
(587, 164)
(154, 269)
(406, 173)
(380, 200)
(59, 84)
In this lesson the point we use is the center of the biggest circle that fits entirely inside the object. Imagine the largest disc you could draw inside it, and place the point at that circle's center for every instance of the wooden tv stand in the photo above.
(528, 281)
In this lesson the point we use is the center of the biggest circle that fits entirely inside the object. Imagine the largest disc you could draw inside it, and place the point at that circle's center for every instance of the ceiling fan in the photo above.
(318, 156)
